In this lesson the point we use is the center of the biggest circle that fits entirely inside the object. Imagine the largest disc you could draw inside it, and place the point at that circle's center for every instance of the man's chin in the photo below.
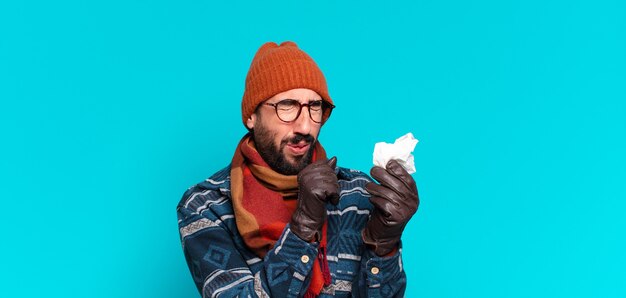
(296, 162)
(290, 163)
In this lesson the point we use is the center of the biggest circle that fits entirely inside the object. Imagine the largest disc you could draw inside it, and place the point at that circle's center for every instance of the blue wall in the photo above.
(110, 110)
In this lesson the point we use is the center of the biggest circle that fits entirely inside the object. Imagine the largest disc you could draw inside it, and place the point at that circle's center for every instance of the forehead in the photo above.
(301, 94)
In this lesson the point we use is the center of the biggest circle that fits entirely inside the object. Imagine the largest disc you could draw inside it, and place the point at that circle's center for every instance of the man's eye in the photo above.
(316, 105)
(287, 104)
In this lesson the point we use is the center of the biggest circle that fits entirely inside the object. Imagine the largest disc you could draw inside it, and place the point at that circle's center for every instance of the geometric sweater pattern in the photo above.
(221, 264)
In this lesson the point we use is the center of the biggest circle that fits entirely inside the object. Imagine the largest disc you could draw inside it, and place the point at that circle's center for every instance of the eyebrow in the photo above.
(310, 100)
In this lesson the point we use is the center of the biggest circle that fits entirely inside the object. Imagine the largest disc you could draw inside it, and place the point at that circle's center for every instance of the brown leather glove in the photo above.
(317, 185)
(395, 200)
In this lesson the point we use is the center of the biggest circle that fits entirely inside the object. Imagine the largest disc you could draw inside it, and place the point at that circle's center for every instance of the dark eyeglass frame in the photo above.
(325, 106)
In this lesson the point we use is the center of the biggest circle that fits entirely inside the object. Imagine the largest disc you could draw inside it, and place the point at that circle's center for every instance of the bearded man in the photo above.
(283, 220)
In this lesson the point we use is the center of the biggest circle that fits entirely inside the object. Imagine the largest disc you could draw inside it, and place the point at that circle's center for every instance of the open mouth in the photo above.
(299, 148)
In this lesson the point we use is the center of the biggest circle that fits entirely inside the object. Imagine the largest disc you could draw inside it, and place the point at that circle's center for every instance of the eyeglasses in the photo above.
(288, 110)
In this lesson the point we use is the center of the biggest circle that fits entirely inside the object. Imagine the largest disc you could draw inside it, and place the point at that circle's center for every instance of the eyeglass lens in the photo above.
(288, 110)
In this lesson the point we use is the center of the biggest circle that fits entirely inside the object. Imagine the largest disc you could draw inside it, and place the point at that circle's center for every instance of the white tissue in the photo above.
(400, 150)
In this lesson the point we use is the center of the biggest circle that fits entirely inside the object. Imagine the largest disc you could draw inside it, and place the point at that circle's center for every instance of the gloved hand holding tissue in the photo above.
(400, 150)
(393, 195)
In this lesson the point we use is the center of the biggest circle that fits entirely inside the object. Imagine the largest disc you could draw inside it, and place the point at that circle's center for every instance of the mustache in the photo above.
(298, 138)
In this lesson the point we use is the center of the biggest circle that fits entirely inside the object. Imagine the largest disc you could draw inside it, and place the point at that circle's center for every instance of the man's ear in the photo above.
(250, 122)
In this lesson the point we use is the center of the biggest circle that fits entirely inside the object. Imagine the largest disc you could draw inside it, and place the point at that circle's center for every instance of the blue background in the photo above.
(110, 110)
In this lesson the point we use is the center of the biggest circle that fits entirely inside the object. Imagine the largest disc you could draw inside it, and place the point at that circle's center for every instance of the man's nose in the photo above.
(302, 124)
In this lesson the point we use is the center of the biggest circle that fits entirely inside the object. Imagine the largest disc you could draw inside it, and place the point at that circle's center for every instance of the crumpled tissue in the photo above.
(400, 150)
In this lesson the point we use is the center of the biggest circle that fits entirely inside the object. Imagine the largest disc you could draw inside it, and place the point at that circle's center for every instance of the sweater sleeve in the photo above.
(380, 276)
(219, 268)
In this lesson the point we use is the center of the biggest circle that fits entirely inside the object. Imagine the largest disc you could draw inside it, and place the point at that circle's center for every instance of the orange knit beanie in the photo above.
(278, 68)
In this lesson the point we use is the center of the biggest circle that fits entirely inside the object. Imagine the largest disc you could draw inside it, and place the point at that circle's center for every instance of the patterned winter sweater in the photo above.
(221, 265)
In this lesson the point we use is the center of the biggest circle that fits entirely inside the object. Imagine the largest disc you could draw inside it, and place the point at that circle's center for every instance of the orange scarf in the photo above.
(263, 202)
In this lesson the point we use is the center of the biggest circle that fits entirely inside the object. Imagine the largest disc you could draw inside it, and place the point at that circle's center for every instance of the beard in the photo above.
(275, 157)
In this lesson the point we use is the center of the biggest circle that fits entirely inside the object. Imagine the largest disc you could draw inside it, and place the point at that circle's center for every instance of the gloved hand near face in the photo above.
(395, 200)
(317, 184)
